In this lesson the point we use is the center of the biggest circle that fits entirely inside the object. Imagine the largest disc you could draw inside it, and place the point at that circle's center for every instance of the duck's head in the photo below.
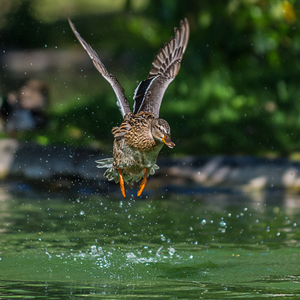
(160, 130)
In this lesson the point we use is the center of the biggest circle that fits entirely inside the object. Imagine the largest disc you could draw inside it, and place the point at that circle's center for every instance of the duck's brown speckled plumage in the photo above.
(134, 147)
(136, 131)
(140, 137)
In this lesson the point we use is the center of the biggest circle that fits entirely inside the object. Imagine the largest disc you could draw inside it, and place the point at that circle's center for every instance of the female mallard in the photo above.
(138, 140)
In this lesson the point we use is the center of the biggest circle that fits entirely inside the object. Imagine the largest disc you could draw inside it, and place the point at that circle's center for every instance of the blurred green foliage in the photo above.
(236, 93)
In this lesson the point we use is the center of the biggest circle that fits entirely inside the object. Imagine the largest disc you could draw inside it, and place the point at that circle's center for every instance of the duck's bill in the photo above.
(167, 140)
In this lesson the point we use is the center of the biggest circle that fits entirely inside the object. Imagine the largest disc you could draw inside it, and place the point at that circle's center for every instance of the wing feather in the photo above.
(166, 65)
(122, 101)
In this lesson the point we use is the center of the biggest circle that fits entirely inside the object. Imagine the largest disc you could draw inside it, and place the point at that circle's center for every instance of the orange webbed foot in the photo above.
(122, 186)
(143, 184)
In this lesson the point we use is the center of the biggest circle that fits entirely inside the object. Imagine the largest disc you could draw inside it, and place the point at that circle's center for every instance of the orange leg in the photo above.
(122, 183)
(143, 184)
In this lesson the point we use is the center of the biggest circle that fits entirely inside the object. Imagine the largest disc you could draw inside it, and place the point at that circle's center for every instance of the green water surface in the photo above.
(218, 246)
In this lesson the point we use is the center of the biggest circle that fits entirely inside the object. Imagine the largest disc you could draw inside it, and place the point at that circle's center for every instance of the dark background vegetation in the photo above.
(236, 93)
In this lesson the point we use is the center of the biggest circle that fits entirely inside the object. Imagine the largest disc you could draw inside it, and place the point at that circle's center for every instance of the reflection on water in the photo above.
(210, 246)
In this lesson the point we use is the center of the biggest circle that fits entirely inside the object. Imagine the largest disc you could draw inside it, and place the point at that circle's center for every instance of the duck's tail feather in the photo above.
(112, 174)
(105, 162)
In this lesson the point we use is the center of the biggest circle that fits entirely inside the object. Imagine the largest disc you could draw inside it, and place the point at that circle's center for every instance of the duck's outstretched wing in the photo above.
(149, 93)
(122, 101)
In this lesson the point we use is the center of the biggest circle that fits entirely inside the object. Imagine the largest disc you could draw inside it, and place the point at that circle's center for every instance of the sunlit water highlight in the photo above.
(217, 246)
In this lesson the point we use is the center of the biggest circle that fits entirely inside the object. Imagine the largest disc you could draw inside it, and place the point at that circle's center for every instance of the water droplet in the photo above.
(171, 251)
